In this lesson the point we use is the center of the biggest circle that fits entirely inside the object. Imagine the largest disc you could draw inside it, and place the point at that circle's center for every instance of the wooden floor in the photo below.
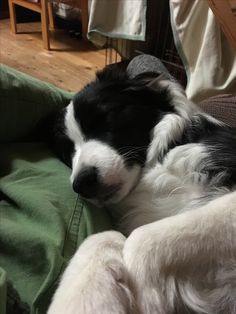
(70, 64)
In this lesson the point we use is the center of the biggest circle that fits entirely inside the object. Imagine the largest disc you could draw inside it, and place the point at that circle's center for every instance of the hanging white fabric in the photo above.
(124, 19)
(209, 58)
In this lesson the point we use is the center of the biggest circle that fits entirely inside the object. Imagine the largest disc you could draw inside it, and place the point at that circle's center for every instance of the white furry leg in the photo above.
(187, 262)
(96, 281)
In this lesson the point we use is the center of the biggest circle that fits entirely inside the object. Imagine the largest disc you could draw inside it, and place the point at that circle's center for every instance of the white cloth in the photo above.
(209, 58)
(124, 19)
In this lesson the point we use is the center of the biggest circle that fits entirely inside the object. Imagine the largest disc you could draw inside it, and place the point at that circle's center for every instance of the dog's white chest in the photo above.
(168, 188)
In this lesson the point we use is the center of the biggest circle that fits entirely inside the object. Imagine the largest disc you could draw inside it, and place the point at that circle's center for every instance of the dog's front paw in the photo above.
(96, 281)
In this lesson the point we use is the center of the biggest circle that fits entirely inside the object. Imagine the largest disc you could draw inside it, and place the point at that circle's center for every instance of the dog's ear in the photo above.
(116, 71)
(144, 82)
(146, 88)
(152, 79)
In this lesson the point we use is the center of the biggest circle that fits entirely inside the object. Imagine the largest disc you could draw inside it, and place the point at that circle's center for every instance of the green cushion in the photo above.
(24, 101)
(42, 221)
(3, 291)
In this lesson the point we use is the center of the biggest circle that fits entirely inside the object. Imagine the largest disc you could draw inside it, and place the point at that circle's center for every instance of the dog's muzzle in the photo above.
(88, 183)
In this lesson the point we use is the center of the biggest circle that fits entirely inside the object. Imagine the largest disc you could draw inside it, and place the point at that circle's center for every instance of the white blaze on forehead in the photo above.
(72, 126)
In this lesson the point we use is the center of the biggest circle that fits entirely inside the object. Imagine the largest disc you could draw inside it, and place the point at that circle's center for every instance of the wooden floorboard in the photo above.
(69, 65)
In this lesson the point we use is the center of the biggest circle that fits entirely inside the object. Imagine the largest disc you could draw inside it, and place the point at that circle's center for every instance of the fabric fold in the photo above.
(123, 19)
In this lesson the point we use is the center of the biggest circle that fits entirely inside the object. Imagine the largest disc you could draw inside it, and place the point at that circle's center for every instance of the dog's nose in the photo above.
(87, 182)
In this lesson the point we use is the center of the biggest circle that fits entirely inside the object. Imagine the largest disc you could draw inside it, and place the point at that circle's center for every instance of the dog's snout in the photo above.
(87, 182)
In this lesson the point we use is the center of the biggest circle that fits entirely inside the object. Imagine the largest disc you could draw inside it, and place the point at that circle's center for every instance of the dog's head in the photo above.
(111, 124)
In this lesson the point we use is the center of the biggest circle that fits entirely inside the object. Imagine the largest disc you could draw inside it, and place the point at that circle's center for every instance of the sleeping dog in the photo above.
(167, 173)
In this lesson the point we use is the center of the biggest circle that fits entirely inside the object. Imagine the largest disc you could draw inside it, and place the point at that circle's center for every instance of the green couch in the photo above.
(42, 221)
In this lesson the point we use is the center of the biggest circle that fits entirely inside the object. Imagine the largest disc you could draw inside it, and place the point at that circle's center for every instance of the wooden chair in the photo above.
(44, 8)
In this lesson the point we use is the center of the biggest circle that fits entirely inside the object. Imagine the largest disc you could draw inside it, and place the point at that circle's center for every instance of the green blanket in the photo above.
(42, 221)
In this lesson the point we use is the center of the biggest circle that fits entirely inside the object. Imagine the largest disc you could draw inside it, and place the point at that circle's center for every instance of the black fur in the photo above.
(61, 144)
(52, 131)
(220, 143)
(121, 112)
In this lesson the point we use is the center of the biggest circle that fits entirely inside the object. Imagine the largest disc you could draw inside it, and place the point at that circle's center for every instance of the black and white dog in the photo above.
(167, 172)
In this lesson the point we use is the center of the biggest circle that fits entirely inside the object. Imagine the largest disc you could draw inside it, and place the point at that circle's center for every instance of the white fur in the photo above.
(180, 252)
(72, 127)
(110, 164)
(169, 188)
(190, 256)
(104, 285)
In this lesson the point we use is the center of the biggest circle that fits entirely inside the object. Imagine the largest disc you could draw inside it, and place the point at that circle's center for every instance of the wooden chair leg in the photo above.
(84, 18)
(12, 12)
(45, 24)
(51, 15)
